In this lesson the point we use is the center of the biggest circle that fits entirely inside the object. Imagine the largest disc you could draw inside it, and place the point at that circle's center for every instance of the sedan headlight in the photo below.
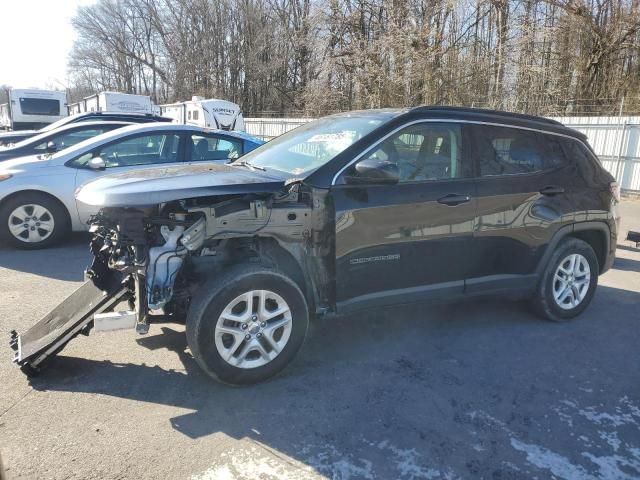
(5, 176)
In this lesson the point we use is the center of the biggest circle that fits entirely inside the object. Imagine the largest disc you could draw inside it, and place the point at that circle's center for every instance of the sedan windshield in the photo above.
(310, 146)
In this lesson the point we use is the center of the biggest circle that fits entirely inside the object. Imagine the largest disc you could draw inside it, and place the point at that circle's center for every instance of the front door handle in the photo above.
(454, 199)
(552, 190)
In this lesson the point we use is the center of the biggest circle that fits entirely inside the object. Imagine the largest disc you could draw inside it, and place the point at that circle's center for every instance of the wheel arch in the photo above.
(55, 199)
(285, 260)
(596, 234)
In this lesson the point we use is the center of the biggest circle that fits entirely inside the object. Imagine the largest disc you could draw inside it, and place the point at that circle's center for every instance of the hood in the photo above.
(17, 133)
(20, 164)
(154, 185)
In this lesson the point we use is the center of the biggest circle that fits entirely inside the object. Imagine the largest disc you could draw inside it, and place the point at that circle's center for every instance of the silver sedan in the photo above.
(37, 203)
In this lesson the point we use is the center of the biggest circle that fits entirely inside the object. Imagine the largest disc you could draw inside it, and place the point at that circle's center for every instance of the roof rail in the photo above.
(486, 111)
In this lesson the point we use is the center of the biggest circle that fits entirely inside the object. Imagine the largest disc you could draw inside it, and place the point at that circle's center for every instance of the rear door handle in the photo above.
(552, 190)
(454, 199)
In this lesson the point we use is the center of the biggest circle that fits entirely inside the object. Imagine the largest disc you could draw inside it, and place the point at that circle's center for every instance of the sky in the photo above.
(36, 38)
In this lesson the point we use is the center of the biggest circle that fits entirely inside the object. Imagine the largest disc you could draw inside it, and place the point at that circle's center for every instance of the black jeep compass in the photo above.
(362, 209)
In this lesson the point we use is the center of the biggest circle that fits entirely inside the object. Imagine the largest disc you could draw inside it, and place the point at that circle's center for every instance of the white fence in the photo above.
(269, 128)
(616, 140)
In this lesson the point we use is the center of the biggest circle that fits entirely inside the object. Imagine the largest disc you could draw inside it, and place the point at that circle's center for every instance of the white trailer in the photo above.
(113, 102)
(32, 108)
(208, 113)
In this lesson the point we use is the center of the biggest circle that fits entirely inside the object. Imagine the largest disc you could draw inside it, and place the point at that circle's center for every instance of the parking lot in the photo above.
(483, 389)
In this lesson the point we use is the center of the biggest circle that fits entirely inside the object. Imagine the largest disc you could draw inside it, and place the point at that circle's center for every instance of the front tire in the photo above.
(33, 220)
(245, 326)
(569, 281)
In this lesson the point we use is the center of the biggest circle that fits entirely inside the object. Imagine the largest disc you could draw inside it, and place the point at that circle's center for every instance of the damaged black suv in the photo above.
(355, 210)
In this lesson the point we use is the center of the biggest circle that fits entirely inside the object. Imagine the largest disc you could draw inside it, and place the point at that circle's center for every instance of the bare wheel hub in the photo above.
(253, 329)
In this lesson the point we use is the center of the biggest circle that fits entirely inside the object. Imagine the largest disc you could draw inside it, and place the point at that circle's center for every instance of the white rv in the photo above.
(208, 113)
(113, 102)
(32, 108)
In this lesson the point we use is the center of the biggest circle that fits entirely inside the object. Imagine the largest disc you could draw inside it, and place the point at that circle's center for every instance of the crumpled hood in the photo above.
(153, 185)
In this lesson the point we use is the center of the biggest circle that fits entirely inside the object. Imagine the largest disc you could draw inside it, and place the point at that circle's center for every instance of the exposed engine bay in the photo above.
(156, 257)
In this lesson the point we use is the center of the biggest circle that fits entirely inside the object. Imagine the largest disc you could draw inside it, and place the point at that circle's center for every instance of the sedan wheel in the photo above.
(31, 223)
(33, 220)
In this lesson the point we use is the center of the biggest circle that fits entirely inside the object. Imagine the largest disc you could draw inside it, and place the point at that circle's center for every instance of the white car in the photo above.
(37, 202)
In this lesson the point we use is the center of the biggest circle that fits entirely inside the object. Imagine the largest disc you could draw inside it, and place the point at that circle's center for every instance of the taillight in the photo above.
(614, 188)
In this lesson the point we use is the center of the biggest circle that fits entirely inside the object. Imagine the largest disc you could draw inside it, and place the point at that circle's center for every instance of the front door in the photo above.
(411, 240)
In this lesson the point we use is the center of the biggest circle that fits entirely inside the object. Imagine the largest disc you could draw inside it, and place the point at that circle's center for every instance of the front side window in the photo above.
(424, 152)
(66, 140)
(513, 151)
(213, 147)
(139, 150)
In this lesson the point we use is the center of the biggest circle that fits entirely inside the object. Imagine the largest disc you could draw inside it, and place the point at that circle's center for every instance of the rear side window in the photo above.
(578, 152)
(66, 140)
(513, 151)
(210, 147)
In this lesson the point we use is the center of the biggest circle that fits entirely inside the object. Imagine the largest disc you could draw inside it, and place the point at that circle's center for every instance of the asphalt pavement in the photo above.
(482, 389)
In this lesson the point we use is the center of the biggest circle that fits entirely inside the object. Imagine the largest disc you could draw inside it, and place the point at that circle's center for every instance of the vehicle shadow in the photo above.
(61, 262)
(626, 264)
(430, 378)
(629, 248)
(372, 368)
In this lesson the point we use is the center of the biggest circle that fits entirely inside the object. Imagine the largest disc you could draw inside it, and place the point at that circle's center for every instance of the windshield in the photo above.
(32, 140)
(312, 145)
(91, 142)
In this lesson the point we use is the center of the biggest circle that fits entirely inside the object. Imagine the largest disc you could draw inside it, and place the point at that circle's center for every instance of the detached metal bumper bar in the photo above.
(47, 337)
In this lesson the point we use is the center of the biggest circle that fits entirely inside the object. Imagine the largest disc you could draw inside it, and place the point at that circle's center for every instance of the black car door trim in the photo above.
(424, 293)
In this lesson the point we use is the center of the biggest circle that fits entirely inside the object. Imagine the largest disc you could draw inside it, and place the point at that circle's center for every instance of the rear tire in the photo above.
(33, 220)
(246, 325)
(568, 282)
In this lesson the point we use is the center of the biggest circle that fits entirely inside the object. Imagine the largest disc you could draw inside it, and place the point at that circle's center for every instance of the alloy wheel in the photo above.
(571, 281)
(253, 329)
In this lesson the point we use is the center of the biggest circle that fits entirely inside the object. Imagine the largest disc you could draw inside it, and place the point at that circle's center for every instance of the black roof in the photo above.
(481, 114)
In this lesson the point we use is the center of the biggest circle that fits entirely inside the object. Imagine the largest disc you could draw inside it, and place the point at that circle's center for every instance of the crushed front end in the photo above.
(149, 261)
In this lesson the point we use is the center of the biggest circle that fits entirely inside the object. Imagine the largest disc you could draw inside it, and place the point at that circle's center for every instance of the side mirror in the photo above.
(97, 163)
(51, 147)
(375, 172)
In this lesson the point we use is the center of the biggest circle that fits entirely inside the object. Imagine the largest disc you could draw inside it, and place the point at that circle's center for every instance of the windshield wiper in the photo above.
(244, 163)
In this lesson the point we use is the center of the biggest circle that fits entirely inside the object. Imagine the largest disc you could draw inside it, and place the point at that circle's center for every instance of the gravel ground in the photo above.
(482, 389)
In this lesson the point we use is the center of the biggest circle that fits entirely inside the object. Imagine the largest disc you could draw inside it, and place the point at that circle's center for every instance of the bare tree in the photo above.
(318, 56)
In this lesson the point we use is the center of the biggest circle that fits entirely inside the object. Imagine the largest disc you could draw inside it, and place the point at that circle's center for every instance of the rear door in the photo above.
(524, 187)
(412, 240)
(129, 153)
